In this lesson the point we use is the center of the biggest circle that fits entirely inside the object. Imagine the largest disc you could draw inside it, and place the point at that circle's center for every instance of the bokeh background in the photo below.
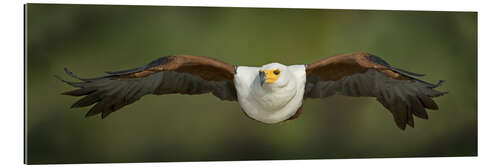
(91, 39)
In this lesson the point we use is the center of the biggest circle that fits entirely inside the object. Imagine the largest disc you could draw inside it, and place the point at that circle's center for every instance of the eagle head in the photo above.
(273, 75)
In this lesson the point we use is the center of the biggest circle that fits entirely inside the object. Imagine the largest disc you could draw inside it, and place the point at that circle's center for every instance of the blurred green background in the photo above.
(91, 39)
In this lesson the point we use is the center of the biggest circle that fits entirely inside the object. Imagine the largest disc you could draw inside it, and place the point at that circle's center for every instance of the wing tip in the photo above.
(157, 62)
(402, 127)
(405, 72)
(67, 71)
(73, 75)
(440, 83)
(74, 84)
(381, 61)
(104, 115)
(90, 114)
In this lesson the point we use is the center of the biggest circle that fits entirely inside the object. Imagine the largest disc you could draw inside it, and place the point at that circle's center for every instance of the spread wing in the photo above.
(363, 74)
(171, 74)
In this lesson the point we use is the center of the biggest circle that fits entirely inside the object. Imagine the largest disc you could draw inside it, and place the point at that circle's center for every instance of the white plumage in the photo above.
(274, 102)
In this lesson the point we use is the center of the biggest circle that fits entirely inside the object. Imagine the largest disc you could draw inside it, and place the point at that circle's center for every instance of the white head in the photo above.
(274, 75)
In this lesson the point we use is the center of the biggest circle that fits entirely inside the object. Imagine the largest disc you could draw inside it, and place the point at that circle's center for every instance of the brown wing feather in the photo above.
(182, 74)
(205, 67)
(363, 74)
(335, 67)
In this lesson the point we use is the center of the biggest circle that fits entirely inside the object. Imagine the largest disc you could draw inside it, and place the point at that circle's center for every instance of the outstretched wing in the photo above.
(171, 74)
(363, 74)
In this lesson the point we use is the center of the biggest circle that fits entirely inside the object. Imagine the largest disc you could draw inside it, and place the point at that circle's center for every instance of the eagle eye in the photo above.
(276, 72)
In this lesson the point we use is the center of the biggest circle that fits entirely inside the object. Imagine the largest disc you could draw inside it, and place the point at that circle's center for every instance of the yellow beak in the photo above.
(268, 76)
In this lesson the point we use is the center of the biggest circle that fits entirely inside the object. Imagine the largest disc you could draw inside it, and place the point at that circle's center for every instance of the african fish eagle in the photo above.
(270, 94)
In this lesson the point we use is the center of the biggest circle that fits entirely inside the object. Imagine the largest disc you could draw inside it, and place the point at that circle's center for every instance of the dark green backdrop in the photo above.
(92, 39)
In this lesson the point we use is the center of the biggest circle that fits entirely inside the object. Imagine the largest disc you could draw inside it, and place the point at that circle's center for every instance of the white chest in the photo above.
(269, 105)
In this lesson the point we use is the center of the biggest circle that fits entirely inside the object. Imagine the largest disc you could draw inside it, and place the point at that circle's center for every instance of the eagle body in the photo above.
(270, 103)
(271, 93)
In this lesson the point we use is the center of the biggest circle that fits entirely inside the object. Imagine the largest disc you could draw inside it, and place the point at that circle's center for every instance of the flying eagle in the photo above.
(270, 94)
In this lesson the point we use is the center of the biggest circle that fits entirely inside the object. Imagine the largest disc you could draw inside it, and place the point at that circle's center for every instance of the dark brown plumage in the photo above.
(185, 75)
(363, 74)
